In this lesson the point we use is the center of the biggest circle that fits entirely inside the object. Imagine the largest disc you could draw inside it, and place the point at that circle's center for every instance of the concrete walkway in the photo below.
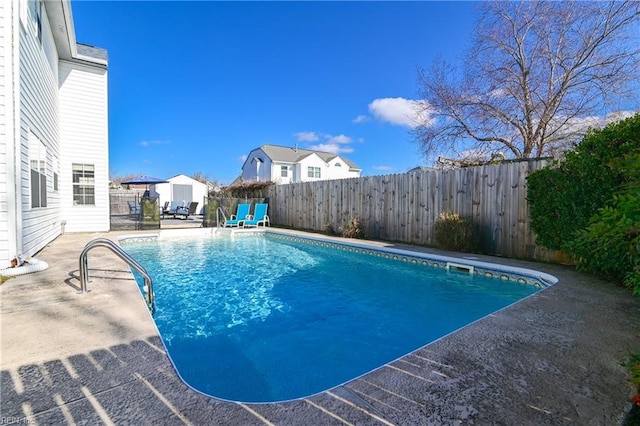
(96, 358)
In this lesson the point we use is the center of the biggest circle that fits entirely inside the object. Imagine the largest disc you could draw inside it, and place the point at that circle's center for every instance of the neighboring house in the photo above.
(181, 188)
(281, 164)
(54, 158)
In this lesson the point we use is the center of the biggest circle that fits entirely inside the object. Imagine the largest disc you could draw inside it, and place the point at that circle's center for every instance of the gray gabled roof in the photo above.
(92, 51)
(287, 154)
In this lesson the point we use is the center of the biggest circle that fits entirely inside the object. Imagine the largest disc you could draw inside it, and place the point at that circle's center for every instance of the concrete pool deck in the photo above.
(96, 358)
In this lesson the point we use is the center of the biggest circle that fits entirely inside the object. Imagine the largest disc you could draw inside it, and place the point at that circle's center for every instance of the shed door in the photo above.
(182, 192)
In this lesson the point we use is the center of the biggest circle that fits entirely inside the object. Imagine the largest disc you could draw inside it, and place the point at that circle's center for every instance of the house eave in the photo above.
(61, 22)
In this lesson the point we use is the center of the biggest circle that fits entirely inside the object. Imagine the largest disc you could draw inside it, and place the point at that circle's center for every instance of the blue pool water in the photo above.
(262, 318)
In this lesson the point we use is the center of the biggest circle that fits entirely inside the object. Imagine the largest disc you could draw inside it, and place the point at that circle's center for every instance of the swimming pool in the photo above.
(269, 317)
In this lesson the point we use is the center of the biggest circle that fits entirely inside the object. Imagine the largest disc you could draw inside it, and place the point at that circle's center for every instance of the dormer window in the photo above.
(338, 164)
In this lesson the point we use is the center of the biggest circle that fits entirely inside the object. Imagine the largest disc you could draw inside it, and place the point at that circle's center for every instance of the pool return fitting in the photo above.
(105, 242)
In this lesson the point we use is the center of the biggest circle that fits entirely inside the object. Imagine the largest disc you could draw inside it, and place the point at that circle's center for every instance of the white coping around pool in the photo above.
(495, 270)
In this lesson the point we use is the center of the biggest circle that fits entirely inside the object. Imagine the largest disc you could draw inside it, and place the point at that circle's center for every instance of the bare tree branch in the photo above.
(535, 71)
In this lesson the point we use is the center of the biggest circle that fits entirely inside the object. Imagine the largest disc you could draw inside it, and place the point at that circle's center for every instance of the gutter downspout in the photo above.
(13, 138)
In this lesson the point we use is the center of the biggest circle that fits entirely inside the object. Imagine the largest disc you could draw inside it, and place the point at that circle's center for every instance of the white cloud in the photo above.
(567, 132)
(306, 136)
(327, 143)
(361, 119)
(336, 148)
(383, 168)
(156, 142)
(402, 112)
(581, 124)
(340, 139)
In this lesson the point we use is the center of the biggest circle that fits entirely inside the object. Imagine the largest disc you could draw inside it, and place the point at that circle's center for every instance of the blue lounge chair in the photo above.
(259, 217)
(241, 214)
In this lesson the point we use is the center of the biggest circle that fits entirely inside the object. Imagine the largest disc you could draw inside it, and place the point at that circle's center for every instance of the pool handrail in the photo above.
(224, 216)
(105, 242)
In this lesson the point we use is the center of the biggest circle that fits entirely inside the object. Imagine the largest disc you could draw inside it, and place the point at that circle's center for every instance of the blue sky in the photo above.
(195, 86)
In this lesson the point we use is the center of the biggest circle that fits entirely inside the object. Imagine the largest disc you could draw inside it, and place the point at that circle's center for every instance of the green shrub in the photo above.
(454, 232)
(632, 280)
(328, 229)
(354, 229)
(610, 245)
(150, 211)
(634, 369)
(552, 218)
(564, 197)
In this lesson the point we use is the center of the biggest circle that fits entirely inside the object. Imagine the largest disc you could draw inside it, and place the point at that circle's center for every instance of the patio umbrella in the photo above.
(144, 180)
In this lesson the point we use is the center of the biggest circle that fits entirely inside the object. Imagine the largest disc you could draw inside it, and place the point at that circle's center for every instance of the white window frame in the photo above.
(84, 184)
(314, 172)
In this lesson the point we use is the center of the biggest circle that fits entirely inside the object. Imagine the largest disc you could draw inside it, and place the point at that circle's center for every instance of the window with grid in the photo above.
(84, 184)
(284, 171)
(313, 172)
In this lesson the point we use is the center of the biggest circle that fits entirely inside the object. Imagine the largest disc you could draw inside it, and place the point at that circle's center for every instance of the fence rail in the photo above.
(405, 207)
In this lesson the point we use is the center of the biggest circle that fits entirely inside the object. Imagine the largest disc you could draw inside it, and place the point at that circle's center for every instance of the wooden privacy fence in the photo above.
(405, 207)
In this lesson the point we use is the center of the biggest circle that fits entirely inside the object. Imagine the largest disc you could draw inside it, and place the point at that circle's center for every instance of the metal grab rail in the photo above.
(104, 242)
(224, 216)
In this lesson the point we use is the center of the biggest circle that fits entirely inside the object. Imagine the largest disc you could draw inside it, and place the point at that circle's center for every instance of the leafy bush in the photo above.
(150, 211)
(634, 369)
(328, 229)
(610, 244)
(354, 229)
(564, 197)
(454, 232)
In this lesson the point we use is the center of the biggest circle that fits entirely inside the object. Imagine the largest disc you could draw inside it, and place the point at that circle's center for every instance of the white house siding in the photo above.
(341, 171)
(39, 118)
(313, 161)
(276, 173)
(83, 129)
